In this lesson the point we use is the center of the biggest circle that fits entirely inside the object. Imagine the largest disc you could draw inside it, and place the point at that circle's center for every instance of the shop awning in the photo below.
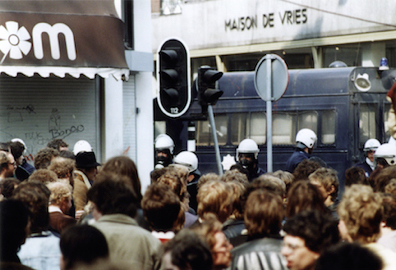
(75, 37)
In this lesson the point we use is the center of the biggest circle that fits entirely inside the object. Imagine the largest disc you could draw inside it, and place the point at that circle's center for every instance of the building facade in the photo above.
(69, 71)
(233, 35)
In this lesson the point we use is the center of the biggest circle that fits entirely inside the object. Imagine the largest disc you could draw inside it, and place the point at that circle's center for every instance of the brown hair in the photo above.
(238, 190)
(63, 167)
(161, 207)
(304, 196)
(214, 197)
(355, 175)
(44, 156)
(328, 178)
(206, 178)
(361, 210)
(304, 169)
(264, 213)
(125, 166)
(43, 175)
(234, 175)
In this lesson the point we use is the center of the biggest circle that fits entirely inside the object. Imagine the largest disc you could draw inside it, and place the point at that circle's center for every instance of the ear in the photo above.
(332, 189)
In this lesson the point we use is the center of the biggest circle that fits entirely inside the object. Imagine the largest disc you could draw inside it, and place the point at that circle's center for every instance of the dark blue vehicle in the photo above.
(344, 106)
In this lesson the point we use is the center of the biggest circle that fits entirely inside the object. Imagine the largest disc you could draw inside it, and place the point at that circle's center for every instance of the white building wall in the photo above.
(144, 96)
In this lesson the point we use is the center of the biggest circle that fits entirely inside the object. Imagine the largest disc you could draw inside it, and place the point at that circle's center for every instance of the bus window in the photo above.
(204, 135)
(238, 127)
(367, 125)
(308, 120)
(328, 127)
(282, 129)
(256, 127)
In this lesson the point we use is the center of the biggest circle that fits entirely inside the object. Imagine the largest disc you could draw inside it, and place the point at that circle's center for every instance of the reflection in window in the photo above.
(282, 129)
(386, 118)
(256, 127)
(204, 131)
(238, 127)
(367, 126)
(308, 120)
(328, 127)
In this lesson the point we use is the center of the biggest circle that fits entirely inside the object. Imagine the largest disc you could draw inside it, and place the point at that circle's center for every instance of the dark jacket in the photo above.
(295, 159)
(258, 254)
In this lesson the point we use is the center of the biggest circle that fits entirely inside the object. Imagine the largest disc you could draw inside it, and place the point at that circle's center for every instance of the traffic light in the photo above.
(208, 93)
(173, 76)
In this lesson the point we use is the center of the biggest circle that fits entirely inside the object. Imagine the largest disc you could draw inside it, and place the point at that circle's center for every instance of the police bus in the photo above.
(343, 106)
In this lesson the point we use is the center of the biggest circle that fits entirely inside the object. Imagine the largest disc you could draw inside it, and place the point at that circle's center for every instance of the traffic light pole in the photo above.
(216, 144)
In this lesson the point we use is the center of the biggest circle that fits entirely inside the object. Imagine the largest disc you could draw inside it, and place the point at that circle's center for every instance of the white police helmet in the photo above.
(22, 142)
(81, 146)
(247, 146)
(188, 159)
(371, 145)
(386, 151)
(306, 137)
(163, 142)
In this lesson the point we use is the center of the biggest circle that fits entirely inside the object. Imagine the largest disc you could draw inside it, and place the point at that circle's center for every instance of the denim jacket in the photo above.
(41, 251)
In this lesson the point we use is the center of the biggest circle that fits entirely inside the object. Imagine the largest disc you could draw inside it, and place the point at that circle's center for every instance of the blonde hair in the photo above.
(59, 190)
(361, 209)
(214, 197)
(328, 178)
(63, 167)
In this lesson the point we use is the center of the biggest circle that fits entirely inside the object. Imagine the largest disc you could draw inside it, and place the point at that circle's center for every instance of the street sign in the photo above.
(271, 77)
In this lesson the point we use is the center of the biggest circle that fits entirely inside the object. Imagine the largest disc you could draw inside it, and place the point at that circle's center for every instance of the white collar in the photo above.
(54, 208)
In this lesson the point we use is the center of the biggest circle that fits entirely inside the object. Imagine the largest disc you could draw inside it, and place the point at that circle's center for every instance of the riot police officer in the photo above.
(246, 155)
(305, 141)
(164, 146)
(369, 148)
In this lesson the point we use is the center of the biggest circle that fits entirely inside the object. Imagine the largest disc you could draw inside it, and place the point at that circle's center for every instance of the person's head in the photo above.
(355, 175)
(17, 150)
(270, 183)
(187, 251)
(190, 161)
(7, 186)
(308, 234)
(63, 167)
(210, 230)
(176, 177)
(214, 197)
(161, 208)
(36, 196)
(125, 166)
(327, 182)
(385, 155)
(7, 164)
(156, 173)
(391, 187)
(61, 195)
(111, 195)
(82, 244)
(348, 256)
(206, 178)
(234, 175)
(369, 148)
(286, 177)
(237, 193)
(43, 157)
(360, 212)
(14, 218)
(305, 140)
(164, 146)
(82, 146)
(304, 196)
(58, 144)
(264, 213)
(389, 204)
(86, 162)
(43, 175)
(383, 178)
(304, 169)
(247, 154)
(67, 154)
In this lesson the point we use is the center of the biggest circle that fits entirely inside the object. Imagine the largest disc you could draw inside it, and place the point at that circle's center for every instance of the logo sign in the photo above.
(14, 40)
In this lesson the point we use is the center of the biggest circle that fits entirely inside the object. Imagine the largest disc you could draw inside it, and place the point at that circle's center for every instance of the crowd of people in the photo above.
(70, 212)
